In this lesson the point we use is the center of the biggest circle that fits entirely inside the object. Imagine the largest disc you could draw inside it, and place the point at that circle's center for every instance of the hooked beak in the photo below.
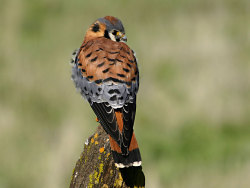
(122, 36)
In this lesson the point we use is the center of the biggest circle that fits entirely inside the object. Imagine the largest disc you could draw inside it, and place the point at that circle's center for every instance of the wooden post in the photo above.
(95, 167)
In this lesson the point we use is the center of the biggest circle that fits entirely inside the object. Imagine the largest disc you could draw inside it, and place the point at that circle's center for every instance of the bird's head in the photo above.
(108, 27)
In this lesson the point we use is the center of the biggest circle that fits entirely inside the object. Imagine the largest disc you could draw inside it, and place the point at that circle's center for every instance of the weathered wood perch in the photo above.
(95, 167)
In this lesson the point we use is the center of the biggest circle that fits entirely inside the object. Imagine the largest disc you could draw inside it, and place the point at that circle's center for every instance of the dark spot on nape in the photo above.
(96, 27)
(90, 77)
(119, 60)
(94, 59)
(106, 70)
(126, 70)
(99, 89)
(113, 98)
(129, 65)
(83, 70)
(121, 75)
(114, 91)
(88, 55)
(106, 34)
(101, 64)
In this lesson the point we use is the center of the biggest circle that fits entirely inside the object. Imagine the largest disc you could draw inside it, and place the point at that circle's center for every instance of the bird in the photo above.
(105, 72)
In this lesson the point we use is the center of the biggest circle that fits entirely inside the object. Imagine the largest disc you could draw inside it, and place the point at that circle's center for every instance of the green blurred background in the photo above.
(193, 110)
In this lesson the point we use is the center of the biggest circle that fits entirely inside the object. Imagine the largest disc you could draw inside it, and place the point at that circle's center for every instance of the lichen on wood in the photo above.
(96, 168)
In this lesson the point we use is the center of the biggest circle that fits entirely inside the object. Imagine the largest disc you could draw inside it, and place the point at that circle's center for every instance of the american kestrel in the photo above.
(106, 73)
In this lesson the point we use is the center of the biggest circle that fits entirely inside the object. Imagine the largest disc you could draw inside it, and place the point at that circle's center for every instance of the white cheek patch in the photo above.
(112, 37)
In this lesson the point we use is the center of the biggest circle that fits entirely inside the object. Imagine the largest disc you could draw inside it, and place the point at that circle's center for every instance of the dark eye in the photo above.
(96, 27)
(114, 32)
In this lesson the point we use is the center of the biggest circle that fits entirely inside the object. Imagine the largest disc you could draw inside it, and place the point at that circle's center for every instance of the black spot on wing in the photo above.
(98, 82)
(129, 65)
(109, 59)
(106, 70)
(113, 98)
(119, 60)
(131, 61)
(126, 70)
(111, 91)
(101, 64)
(121, 75)
(88, 55)
(136, 71)
(100, 49)
(116, 80)
(94, 59)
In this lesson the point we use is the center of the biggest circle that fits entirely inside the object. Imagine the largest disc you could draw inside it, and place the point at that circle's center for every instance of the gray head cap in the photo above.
(112, 23)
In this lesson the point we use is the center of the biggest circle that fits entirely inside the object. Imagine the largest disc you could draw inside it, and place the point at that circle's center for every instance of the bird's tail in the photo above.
(132, 159)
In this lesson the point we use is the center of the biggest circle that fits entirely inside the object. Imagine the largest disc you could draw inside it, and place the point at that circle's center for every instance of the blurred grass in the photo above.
(193, 105)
